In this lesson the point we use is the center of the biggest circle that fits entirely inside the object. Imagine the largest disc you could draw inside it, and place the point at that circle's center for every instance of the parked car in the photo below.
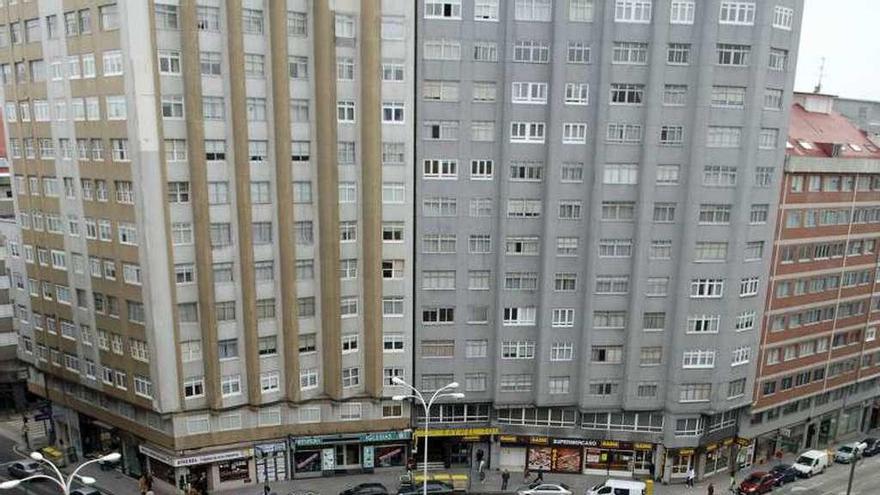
(784, 473)
(85, 490)
(433, 487)
(758, 482)
(811, 462)
(366, 489)
(547, 489)
(872, 446)
(618, 487)
(848, 453)
(23, 469)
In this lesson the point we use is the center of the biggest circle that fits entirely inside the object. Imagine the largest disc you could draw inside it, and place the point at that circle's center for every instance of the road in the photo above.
(833, 481)
(7, 456)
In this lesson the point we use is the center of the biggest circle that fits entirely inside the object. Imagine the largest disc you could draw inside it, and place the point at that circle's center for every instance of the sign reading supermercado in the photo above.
(208, 458)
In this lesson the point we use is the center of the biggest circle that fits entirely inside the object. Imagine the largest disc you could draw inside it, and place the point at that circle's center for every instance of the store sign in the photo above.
(196, 459)
(458, 432)
(368, 456)
(381, 436)
(601, 444)
(685, 451)
(743, 442)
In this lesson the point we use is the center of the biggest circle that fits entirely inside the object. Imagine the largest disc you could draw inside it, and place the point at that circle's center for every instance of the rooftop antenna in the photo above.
(818, 88)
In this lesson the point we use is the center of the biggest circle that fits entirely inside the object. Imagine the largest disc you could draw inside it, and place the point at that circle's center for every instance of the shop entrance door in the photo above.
(348, 456)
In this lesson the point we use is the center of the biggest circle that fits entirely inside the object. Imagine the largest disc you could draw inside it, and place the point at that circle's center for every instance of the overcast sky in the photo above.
(847, 34)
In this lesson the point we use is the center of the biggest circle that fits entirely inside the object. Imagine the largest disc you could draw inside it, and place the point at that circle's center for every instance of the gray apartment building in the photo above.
(214, 198)
(596, 194)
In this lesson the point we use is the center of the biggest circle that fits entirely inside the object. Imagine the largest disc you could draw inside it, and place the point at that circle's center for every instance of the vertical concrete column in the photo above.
(242, 172)
(371, 187)
(328, 196)
(198, 177)
(284, 193)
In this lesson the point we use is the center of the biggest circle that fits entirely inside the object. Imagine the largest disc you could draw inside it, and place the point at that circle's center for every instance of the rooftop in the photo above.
(816, 129)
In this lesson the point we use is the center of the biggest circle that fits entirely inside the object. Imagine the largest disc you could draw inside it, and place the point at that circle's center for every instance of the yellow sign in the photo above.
(459, 432)
(685, 451)
(643, 446)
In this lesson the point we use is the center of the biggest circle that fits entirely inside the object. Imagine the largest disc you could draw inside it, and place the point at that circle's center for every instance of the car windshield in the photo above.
(846, 449)
(755, 478)
(781, 467)
(805, 460)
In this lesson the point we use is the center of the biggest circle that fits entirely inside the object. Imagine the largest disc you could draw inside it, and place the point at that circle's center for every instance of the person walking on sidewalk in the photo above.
(505, 477)
(690, 477)
(732, 486)
(482, 469)
(710, 490)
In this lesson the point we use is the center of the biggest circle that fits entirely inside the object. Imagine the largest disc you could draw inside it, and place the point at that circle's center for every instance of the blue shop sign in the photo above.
(381, 436)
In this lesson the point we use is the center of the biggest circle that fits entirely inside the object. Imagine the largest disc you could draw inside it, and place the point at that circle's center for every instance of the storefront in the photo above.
(270, 461)
(331, 454)
(457, 446)
(207, 472)
(718, 457)
(680, 460)
(576, 455)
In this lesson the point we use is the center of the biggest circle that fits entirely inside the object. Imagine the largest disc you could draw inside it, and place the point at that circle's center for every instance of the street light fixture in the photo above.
(58, 477)
(416, 395)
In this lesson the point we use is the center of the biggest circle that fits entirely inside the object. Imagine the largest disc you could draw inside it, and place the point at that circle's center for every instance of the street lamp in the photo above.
(417, 396)
(58, 477)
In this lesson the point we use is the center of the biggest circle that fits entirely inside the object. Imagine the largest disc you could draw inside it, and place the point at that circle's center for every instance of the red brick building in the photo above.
(817, 377)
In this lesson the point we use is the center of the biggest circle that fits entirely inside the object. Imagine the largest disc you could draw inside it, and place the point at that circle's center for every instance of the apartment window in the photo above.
(671, 135)
(345, 112)
(728, 96)
(532, 10)
(707, 288)
(632, 11)
(664, 212)
(741, 355)
(733, 55)
(625, 52)
(650, 356)
(166, 16)
(351, 377)
(570, 210)
(783, 17)
(578, 52)
(754, 250)
(252, 21)
(623, 133)
(440, 169)
(614, 320)
(742, 13)
(440, 90)
(610, 284)
(527, 171)
(758, 214)
(574, 133)
(446, 130)
(711, 251)
(178, 192)
(345, 69)
(714, 214)
(678, 53)
(768, 138)
(207, 18)
(230, 385)
(682, 12)
(736, 388)
(109, 17)
(442, 9)
(675, 95)
(577, 94)
(481, 169)
(519, 316)
(172, 106)
(169, 62)
(221, 234)
(529, 92)
(485, 51)
(393, 153)
(580, 10)
(523, 208)
(656, 286)
(772, 99)
(531, 51)
(442, 50)
(486, 10)
(615, 248)
(719, 176)
(603, 389)
(698, 359)
(298, 67)
(749, 286)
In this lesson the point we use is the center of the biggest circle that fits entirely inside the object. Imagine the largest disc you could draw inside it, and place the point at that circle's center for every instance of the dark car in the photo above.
(433, 487)
(23, 469)
(366, 489)
(872, 446)
(757, 483)
(784, 473)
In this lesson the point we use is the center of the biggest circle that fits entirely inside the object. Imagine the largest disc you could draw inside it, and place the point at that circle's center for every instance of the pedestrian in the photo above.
(505, 476)
(479, 455)
(732, 486)
(710, 490)
(690, 477)
(266, 489)
(142, 484)
(540, 477)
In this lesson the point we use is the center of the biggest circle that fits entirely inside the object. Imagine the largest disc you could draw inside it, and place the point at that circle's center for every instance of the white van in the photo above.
(618, 487)
(811, 462)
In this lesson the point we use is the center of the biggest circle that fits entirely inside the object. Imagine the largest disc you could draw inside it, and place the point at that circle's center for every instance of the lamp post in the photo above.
(57, 477)
(417, 396)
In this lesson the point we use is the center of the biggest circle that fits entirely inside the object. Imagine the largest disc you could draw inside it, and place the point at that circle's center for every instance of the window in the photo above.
(749, 286)
(768, 139)
(602, 388)
(664, 212)
(695, 392)
(532, 10)
(519, 316)
(719, 176)
(481, 169)
(351, 377)
(230, 385)
(736, 388)
(656, 286)
(610, 284)
(172, 106)
(682, 12)
(625, 52)
(392, 112)
(678, 53)
(714, 214)
(698, 359)
(529, 92)
(707, 288)
(446, 130)
(527, 171)
(632, 11)
(523, 208)
(742, 13)
(577, 94)
(166, 16)
(733, 55)
(442, 50)
(169, 62)
(109, 17)
(623, 133)
(759, 214)
(578, 52)
(440, 169)
(574, 133)
(440, 90)
(754, 250)
(298, 67)
(580, 10)
(392, 343)
(345, 112)
(772, 99)
(728, 96)
(527, 132)
(442, 9)
(531, 51)
(671, 135)
(570, 210)
(252, 21)
(741, 355)
(710, 251)
(783, 17)
(486, 10)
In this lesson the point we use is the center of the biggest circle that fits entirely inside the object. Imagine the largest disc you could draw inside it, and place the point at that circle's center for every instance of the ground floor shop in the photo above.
(456, 447)
(326, 455)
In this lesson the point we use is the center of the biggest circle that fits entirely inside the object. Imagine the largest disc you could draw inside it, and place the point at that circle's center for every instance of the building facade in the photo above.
(865, 114)
(818, 368)
(214, 198)
(596, 194)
